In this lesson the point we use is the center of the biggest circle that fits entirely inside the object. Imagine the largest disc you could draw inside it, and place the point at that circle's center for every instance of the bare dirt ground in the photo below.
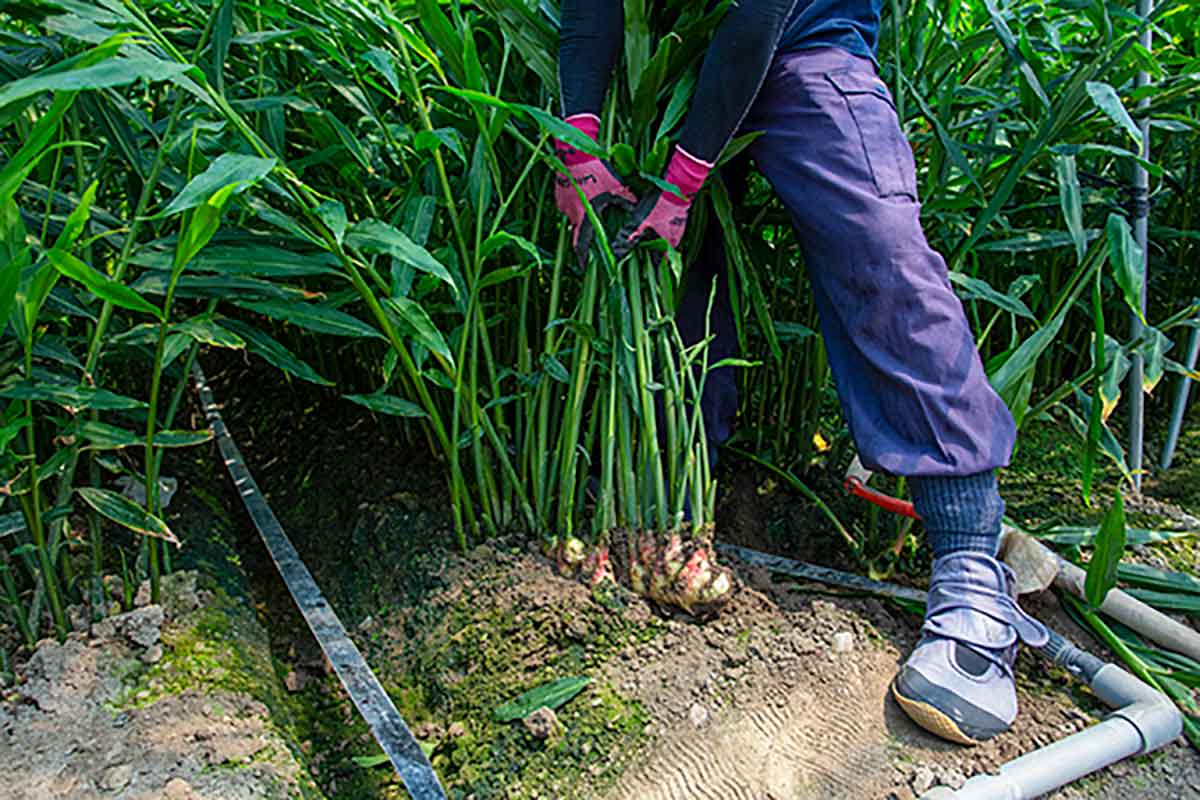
(128, 709)
(785, 697)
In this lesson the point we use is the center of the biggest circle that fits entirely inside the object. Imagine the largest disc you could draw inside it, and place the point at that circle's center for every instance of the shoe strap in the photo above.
(947, 596)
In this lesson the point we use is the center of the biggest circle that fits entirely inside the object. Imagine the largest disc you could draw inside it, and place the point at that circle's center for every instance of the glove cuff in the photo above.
(687, 173)
(589, 126)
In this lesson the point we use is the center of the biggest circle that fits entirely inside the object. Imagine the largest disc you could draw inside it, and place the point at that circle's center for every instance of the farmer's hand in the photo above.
(664, 214)
(599, 183)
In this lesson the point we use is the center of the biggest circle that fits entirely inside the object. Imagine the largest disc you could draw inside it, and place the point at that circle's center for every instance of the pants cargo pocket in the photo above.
(887, 152)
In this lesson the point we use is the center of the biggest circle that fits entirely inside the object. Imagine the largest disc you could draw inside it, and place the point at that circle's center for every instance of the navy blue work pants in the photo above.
(909, 377)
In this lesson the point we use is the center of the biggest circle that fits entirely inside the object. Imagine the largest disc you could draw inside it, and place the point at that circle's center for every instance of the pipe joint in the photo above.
(1158, 722)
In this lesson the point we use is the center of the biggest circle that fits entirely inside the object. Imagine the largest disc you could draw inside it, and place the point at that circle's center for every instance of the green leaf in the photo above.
(218, 286)
(370, 762)
(123, 511)
(99, 284)
(315, 318)
(383, 61)
(1007, 379)
(230, 169)
(199, 229)
(1129, 266)
(502, 275)
(207, 331)
(388, 404)
(33, 147)
(502, 239)
(1110, 546)
(550, 695)
(1071, 201)
(1116, 368)
(78, 219)
(681, 98)
(1106, 99)
(554, 368)
(444, 35)
(10, 430)
(102, 436)
(333, 214)
(14, 257)
(179, 438)
(274, 353)
(107, 74)
(420, 326)
(1107, 441)
(948, 142)
(1154, 352)
(248, 258)
(977, 289)
(792, 331)
(1160, 579)
(374, 236)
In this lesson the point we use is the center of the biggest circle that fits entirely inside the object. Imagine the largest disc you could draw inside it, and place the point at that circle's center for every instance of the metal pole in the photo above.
(1181, 400)
(1141, 190)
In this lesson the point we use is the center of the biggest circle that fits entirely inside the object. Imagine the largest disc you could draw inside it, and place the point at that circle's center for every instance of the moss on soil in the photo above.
(471, 634)
(220, 645)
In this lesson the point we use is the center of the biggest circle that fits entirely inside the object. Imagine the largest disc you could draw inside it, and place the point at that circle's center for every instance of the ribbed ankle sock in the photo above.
(960, 513)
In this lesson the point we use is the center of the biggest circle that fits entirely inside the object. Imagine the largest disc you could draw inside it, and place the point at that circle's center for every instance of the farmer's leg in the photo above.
(910, 380)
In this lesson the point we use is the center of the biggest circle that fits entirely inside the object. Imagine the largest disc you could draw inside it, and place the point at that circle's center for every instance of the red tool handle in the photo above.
(895, 505)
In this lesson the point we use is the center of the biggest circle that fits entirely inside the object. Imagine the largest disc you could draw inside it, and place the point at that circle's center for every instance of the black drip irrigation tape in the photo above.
(364, 688)
(830, 577)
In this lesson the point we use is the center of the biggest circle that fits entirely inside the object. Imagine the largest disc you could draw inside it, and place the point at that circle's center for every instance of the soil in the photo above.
(152, 703)
(784, 695)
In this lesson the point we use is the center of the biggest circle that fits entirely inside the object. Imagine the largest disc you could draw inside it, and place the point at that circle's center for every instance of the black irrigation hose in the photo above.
(826, 575)
(364, 688)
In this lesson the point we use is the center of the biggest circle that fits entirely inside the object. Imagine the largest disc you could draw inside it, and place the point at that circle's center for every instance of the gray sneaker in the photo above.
(958, 682)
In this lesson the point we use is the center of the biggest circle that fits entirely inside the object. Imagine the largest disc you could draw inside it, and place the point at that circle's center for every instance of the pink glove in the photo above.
(664, 214)
(596, 179)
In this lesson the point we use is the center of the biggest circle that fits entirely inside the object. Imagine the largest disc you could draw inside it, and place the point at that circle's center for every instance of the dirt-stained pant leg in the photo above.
(909, 376)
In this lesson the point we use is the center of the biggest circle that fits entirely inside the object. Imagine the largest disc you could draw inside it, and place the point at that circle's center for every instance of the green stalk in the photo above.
(569, 433)
(14, 601)
(649, 434)
(32, 508)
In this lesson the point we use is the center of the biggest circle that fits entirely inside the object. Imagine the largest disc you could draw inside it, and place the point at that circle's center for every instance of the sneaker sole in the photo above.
(932, 720)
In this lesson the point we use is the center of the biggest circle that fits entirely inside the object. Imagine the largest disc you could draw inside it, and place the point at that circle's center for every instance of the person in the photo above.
(910, 380)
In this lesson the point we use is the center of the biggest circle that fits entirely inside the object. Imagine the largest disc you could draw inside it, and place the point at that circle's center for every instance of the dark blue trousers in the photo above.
(911, 384)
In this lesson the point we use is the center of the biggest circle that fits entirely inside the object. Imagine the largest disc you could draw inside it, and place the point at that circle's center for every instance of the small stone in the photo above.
(457, 730)
(952, 777)
(153, 655)
(178, 789)
(142, 626)
(117, 778)
(843, 642)
(541, 723)
(922, 780)
(699, 715)
(295, 681)
(142, 598)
